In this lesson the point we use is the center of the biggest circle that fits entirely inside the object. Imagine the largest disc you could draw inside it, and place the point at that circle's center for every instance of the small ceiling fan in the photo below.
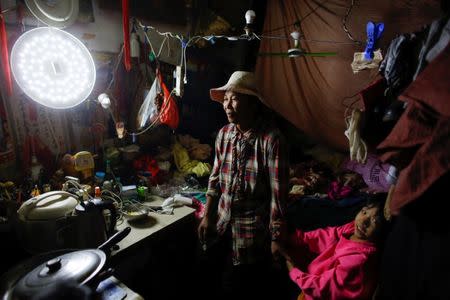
(296, 51)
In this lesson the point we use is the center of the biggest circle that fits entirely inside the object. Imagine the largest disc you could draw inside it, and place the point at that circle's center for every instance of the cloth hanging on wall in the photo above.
(419, 142)
(39, 129)
(7, 154)
(4, 57)
(310, 91)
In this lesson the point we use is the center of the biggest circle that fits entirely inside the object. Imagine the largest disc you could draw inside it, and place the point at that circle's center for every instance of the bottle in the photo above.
(35, 169)
(109, 175)
(97, 192)
(99, 177)
(35, 192)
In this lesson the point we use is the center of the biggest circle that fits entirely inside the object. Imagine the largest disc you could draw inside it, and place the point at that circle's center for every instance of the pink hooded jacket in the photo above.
(344, 269)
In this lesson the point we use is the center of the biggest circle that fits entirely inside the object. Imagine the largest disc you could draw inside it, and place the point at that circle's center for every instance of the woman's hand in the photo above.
(289, 264)
(278, 230)
(279, 252)
(205, 228)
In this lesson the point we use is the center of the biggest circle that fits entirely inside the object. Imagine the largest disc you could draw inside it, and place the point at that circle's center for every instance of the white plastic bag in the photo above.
(148, 112)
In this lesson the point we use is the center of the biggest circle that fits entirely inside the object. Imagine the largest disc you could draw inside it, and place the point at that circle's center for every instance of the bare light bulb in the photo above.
(104, 100)
(296, 37)
(250, 17)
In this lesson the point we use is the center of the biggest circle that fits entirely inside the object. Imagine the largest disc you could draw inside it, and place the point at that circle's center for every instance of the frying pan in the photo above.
(86, 267)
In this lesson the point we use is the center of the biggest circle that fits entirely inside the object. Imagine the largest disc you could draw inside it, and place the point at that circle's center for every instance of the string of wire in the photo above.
(344, 24)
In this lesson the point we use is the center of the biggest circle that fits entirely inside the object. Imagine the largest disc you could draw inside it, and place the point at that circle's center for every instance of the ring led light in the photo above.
(53, 67)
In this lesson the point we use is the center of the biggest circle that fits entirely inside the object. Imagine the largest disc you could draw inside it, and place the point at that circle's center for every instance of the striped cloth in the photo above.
(249, 177)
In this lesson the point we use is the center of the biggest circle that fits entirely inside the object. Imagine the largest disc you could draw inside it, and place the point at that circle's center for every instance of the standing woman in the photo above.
(246, 193)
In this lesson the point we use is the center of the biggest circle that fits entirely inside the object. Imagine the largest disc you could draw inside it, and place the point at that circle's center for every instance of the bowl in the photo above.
(135, 215)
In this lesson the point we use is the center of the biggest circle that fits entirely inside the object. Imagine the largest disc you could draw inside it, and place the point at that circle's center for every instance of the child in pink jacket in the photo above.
(345, 263)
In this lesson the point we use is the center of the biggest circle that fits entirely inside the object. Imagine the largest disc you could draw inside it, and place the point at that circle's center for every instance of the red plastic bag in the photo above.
(169, 112)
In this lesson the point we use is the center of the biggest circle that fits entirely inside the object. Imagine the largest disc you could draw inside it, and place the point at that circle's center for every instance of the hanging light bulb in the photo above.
(296, 37)
(104, 100)
(295, 51)
(250, 16)
(249, 19)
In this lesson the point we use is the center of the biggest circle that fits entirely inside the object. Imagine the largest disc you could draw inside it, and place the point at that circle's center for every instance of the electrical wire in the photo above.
(146, 27)
(344, 24)
(152, 50)
(119, 59)
(79, 187)
(329, 42)
(162, 45)
(9, 9)
(299, 20)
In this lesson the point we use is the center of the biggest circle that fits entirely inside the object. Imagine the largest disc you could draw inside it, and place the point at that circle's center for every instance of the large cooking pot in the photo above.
(86, 267)
(59, 220)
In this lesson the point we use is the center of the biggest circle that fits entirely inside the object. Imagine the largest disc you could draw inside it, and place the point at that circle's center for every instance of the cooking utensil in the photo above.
(58, 220)
(47, 222)
(83, 266)
(91, 219)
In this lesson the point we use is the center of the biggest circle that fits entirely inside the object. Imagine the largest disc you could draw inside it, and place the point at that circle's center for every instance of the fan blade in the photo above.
(319, 53)
(272, 54)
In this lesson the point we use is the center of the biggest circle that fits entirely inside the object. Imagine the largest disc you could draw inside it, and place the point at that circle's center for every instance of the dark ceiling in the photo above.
(189, 12)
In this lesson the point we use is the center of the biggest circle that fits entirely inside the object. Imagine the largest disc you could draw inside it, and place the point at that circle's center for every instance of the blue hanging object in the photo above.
(374, 32)
(133, 138)
(184, 43)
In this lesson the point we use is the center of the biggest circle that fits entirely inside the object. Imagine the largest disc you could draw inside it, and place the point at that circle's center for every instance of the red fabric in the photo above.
(343, 269)
(126, 35)
(310, 92)
(169, 112)
(373, 94)
(419, 143)
(5, 56)
(338, 191)
(146, 163)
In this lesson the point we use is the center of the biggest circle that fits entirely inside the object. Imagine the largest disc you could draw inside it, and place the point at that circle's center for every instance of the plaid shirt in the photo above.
(249, 178)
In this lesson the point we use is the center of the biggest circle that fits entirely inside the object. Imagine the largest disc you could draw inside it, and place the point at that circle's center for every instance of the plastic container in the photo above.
(99, 178)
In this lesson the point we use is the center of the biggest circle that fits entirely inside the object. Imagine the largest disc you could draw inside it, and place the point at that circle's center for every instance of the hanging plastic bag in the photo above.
(169, 110)
(148, 113)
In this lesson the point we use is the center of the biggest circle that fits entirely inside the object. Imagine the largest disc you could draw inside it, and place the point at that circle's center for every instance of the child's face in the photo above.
(367, 223)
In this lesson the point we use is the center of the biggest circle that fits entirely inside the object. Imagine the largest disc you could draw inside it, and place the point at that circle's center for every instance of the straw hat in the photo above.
(239, 82)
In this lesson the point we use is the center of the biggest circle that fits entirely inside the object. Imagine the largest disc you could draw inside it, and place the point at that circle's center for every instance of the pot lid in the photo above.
(48, 206)
(80, 266)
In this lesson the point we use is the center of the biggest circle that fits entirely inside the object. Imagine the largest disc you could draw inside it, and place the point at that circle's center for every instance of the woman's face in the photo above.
(367, 223)
(237, 106)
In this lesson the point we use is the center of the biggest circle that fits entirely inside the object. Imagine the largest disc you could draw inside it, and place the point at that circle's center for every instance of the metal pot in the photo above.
(86, 267)
(58, 220)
